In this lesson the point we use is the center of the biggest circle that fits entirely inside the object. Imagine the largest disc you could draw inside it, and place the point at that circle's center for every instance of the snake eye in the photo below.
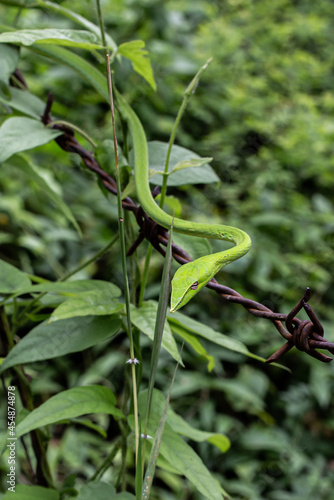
(194, 286)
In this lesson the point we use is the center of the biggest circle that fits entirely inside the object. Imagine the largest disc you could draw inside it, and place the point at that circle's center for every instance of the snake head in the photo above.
(189, 280)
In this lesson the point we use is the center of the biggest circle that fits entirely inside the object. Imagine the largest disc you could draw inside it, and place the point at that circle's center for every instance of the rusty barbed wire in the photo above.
(306, 336)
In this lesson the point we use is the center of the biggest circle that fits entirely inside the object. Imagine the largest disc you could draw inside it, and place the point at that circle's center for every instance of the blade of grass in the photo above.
(152, 462)
(159, 328)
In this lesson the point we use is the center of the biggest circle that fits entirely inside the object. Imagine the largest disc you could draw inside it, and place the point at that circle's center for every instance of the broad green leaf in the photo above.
(156, 444)
(73, 288)
(70, 404)
(47, 184)
(193, 341)
(144, 319)
(77, 63)
(189, 324)
(11, 278)
(192, 162)
(192, 175)
(23, 101)
(134, 51)
(123, 496)
(178, 424)
(20, 134)
(96, 490)
(9, 57)
(102, 491)
(71, 38)
(50, 340)
(76, 18)
(90, 425)
(25, 492)
(95, 303)
(183, 458)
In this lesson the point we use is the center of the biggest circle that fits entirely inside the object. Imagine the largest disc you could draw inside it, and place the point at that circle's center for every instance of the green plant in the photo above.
(78, 324)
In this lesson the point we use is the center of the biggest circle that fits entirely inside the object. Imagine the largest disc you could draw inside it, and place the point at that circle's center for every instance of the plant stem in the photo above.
(107, 462)
(101, 23)
(123, 255)
(121, 232)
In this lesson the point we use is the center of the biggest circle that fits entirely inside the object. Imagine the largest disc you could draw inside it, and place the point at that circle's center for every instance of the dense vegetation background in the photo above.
(264, 111)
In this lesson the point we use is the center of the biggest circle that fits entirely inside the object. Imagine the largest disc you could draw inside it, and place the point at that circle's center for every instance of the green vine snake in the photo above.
(190, 278)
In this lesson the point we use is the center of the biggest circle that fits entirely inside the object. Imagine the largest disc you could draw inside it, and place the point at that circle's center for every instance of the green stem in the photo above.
(101, 23)
(123, 256)
(107, 462)
(76, 128)
(6, 327)
(170, 145)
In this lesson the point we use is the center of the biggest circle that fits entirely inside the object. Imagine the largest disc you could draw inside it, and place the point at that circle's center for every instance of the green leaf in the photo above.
(71, 38)
(50, 340)
(183, 458)
(9, 57)
(76, 18)
(77, 63)
(123, 496)
(25, 492)
(178, 424)
(192, 175)
(11, 278)
(23, 101)
(144, 319)
(73, 288)
(192, 162)
(102, 491)
(134, 51)
(95, 303)
(46, 182)
(20, 134)
(70, 404)
(192, 326)
(155, 450)
(196, 345)
(97, 490)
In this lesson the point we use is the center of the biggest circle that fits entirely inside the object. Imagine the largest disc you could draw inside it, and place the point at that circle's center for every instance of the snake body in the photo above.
(190, 278)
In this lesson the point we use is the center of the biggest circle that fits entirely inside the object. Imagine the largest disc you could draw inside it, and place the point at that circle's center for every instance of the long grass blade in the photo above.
(152, 462)
(159, 328)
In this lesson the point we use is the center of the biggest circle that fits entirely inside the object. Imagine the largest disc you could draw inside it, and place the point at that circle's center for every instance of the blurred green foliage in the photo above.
(264, 110)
